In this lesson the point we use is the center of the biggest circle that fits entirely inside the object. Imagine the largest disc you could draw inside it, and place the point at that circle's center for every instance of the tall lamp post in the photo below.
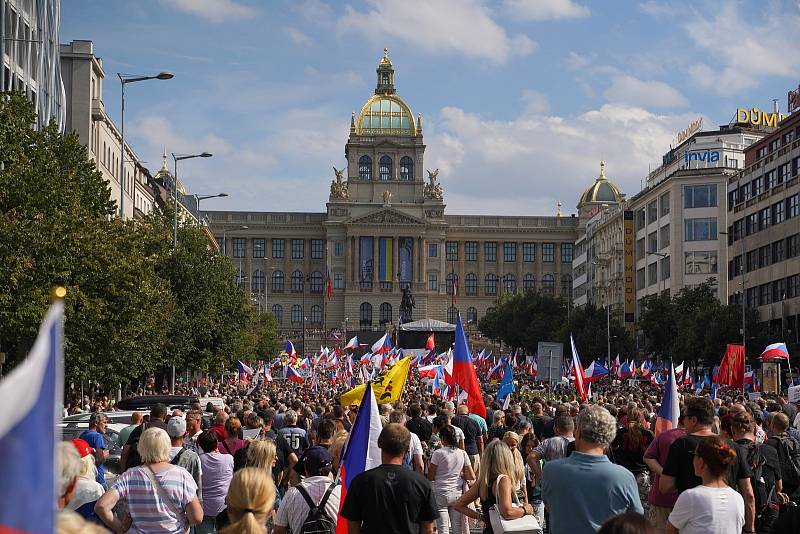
(176, 158)
(662, 256)
(596, 262)
(123, 80)
(744, 271)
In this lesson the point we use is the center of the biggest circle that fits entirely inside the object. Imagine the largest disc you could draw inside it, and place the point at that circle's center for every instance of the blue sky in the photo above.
(520, 98)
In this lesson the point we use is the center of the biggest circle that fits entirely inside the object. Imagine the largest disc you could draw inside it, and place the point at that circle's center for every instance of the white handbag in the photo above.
(526, 524)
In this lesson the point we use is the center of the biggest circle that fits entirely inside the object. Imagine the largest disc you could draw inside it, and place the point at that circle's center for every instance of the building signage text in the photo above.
(707, 156)
(684, 134)
(629, 280)
(757, 117)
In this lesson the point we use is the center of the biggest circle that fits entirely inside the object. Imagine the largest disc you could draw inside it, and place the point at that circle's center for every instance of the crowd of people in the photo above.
(268, 461)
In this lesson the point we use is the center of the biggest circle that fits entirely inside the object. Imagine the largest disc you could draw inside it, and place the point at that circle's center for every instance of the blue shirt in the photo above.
(97, 441)
(583, 490)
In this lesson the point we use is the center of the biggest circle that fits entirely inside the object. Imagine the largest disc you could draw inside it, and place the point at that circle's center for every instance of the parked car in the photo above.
(146, 402)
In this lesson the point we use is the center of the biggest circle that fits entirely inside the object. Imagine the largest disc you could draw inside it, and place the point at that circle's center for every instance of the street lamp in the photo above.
(176, 158)
(125, 79)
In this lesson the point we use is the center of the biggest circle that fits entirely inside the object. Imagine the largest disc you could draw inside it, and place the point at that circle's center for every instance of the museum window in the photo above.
(451, 250)
(700, 229)
(451, 283)
(297, 314)
(365, 168)
(472, 316)
(317, 249)
(298, 249)
(528, 282)
(548, 284)
(471, 284)
(238, 247)
(365, 315)
(700, 196)
(316, 315)
(452, 313)
(433, 282)
(566, 285)
(222, 249)
(491, 284)
(277, 311)
(548, 252)
(259, 246)
(406, 168)
(297, 282)
(509, 252)
(490, 251)
(528, 252)
(338, 248)
(277, 281)
(338, 281)
(433, 250)
(385, 312)
(277, 248)
(385, 168)
(316, 282)
(567, 252)
(471, 251)
(509, 283)
(259, 281)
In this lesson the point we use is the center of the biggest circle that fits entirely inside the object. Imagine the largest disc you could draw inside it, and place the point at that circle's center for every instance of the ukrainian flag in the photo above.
(385, 248)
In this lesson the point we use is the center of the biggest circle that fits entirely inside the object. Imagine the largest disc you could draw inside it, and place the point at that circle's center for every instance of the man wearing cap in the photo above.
(294, 507)
(180, 455)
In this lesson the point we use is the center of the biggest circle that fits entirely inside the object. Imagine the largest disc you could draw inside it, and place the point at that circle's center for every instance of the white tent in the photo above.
(427, 325)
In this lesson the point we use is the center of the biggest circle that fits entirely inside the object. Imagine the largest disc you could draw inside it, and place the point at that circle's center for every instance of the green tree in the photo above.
(589, 326)
(56, 228)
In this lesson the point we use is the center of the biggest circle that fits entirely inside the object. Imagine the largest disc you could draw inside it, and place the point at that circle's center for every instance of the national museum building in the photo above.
(386, 228)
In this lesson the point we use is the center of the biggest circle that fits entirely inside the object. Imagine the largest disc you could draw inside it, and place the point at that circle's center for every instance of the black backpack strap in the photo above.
(327, 494)
(177, 457)
(306, 496)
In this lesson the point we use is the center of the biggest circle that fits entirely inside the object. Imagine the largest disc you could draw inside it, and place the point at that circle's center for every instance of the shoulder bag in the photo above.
(526, 524)
(180, 515)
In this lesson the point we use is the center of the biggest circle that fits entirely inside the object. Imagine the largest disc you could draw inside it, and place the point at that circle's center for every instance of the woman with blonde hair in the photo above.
(495, 486)
(512, 439)
(261, 453)
(251, 497)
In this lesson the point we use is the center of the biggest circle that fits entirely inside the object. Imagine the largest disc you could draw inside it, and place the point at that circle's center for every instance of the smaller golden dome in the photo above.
(602, 191)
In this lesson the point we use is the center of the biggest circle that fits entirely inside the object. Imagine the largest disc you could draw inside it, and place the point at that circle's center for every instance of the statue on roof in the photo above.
(339, 186)
(433, 189)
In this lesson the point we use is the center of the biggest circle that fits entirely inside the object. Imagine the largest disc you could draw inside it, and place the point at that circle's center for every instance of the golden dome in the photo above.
(385, 115)
(602, 191)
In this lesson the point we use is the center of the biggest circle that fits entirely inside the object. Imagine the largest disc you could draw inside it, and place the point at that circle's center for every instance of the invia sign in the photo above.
(706, 156)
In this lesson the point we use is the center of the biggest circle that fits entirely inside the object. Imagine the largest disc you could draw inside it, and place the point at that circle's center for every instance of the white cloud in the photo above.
(527, 164)
(215, 11)
(745, 56)
(445, 27)
(545, 9)
(650, 94)
(577, 61)
(299, 38)
(656, 9)
(535, 102)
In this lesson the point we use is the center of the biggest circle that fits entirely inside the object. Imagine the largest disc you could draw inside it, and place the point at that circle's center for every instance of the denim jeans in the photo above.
(449, 521)
(538, 510)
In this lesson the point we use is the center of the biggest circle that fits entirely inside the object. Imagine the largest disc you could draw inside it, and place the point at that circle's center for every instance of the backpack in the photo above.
(756, 461)
(789, 457)
(317, 521)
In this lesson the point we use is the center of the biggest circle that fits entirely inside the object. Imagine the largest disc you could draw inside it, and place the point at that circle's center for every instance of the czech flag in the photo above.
(594, 372)
(294, 376)
(384, 344)
(361, 452)
(428, 371)
(577, 370)
(670, 406)
(245, 371)
(290, 349)
(35, 389)
(464, 372)
(625, 370)
(268, 376)
(776, 351)
(352, 344)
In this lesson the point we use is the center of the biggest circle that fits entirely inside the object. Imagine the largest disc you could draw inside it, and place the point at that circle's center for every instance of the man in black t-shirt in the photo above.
(541, 422)
(390, 498)
(418, 424)
(473, 440)
(678, 474)
(130, 452)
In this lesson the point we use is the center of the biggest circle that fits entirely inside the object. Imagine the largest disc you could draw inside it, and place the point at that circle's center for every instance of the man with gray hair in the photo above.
(584, 489)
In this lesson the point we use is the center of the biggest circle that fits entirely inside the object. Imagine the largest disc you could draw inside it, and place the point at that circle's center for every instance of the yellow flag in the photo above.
(387, 386)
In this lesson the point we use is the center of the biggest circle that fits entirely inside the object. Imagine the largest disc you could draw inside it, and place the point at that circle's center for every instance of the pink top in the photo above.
(230, 446)
(659, 450)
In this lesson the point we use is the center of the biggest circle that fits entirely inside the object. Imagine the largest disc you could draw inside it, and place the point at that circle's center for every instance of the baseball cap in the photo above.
(317, 458)
(176, 427)
(83, 448)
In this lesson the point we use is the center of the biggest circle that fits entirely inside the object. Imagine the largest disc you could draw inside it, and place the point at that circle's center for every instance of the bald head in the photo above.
(462, 409)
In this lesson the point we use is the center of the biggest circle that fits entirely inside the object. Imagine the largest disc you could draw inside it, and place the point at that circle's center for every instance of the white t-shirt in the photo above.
(416, 445)
(449, 462)
(293, 510)
(705, 510)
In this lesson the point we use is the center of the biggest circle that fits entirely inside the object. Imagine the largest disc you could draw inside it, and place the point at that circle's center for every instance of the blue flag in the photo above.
(507, 384)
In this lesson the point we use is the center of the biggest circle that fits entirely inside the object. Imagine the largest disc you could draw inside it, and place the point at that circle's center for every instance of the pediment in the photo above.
(386, 216)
